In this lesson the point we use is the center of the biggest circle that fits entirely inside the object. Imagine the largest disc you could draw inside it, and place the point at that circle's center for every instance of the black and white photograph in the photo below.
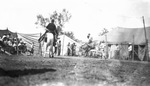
(75, 43)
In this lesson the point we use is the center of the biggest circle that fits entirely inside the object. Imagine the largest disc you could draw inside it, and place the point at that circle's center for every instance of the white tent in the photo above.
(29, 39)
(64, 42)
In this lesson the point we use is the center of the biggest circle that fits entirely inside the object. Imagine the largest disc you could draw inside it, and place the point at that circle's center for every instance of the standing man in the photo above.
(72, 46)
(56, 48)
(32, 49)
(68, 49)
(130, 51)
(59, 48)
(74, 49)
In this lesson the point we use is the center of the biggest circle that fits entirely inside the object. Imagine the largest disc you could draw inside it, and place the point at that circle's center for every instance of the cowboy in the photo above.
(52, 29)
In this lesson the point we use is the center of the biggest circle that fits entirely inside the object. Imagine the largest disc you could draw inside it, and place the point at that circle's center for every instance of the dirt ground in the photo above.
(71, 71)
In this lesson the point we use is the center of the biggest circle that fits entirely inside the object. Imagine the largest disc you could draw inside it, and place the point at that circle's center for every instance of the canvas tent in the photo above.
(6, 31)
(29, 39)
(134, 36)
(126, 35)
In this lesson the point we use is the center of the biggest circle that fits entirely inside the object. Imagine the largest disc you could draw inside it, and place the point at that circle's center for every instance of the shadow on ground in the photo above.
(18, 73)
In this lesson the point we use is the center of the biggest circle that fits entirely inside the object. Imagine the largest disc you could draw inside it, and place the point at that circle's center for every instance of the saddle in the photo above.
(43, 37)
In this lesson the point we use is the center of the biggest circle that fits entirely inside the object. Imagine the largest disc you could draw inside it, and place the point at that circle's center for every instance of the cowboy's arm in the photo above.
(55, 30)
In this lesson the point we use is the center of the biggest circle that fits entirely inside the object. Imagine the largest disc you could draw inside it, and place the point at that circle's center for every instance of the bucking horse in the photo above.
(85, 48)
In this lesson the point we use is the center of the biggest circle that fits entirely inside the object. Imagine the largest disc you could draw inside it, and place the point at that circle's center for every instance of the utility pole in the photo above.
(146, 40)
(106, 46)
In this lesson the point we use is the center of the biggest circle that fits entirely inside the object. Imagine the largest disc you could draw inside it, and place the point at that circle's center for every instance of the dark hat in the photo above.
(52, 20)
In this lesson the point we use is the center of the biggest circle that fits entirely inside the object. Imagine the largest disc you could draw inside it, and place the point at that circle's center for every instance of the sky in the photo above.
(88, 16)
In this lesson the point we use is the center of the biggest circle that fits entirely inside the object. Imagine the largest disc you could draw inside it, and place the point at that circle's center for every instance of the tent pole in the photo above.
(146, 40)
(133, 49)
(40, 48)
(63, 44)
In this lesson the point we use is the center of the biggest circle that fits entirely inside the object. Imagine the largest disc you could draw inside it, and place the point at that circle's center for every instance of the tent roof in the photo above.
(6, 31)
(68, 39)
(126, 35)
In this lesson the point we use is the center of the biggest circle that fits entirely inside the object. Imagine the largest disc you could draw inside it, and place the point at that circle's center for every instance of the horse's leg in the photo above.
(54, 49)
(47, 45)
(49, 51)
(42, 48)
(51, 55)
(52, 52)
(50, 44)
(45, 49)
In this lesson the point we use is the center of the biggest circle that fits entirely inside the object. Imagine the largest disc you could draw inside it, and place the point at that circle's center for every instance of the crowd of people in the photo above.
(71, 49)
(12, 45)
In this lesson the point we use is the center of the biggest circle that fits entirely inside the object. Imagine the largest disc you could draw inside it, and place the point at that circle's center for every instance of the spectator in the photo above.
(9, 42)
(130, 51)
(19, 44)
(90, 40)
(15, 46)
(8, 36)
(4, 37)
(21, 47)
(20, 40)
(68, 49)
(88, 36)
(56, 48)
(74, 49)
(59, 48)
(15, 42)
(5, 41)
(71, 49)
(32, 49)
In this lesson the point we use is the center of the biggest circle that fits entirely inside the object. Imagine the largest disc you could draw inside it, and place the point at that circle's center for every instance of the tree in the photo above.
(60, 19)
(70, 35)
